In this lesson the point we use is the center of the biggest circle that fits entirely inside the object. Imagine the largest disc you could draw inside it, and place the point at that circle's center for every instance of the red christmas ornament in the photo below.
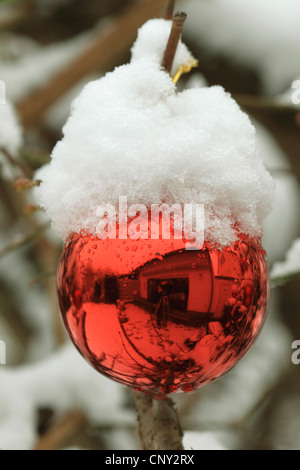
(157, 317)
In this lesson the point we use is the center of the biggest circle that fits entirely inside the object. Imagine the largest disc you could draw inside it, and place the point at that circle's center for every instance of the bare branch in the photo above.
(60, 434)
(28, 172)
(107, 49)
(24, 240)
(24, 184)
(252, 102)
(169, 10)
(159, 426)
(176, 31)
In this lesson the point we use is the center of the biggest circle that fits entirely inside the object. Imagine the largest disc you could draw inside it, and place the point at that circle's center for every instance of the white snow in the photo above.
(25, 389)
(37, 314)
(197, 440)
(131, 134)
(35, 65)
(151, 42)
(264, 35)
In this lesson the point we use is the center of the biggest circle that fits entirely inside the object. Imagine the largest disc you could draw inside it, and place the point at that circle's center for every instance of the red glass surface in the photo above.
(159, 318)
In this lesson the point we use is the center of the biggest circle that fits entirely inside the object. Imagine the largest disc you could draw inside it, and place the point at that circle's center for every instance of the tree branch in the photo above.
(159, 426)
(251, 102)
(23, 240)
(61, 433)
(280, 280)
(176, 31)
(106, 51)
(169, 10)
(13, 16)
(28, 172)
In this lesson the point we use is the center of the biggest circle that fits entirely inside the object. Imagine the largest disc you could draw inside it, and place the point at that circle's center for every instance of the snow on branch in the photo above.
(288, 269)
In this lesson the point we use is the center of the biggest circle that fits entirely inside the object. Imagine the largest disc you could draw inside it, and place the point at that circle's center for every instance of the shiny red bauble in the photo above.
(157, 317)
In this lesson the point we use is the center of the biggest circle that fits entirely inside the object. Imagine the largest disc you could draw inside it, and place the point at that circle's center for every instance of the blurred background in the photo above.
(49, 397)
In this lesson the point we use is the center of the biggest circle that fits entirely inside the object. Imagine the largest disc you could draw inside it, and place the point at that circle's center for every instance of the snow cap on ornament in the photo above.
(132, 133)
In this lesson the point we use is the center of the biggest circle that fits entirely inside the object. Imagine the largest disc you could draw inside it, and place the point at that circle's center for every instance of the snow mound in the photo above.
(132, 134)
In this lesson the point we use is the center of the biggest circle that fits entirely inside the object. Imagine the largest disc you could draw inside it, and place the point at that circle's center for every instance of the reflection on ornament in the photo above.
(158, 318)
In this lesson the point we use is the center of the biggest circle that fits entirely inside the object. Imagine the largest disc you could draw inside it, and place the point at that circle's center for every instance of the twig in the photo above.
(284, 278)
(47, 253)
(169, 10)
(24, 240)
(176, 31)
(8, 201)
(159, 426)
(42, 277)
(105, 52)
(60, 434)
(263, 399)
(28, 172)
(263, 103)
(24, 184)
